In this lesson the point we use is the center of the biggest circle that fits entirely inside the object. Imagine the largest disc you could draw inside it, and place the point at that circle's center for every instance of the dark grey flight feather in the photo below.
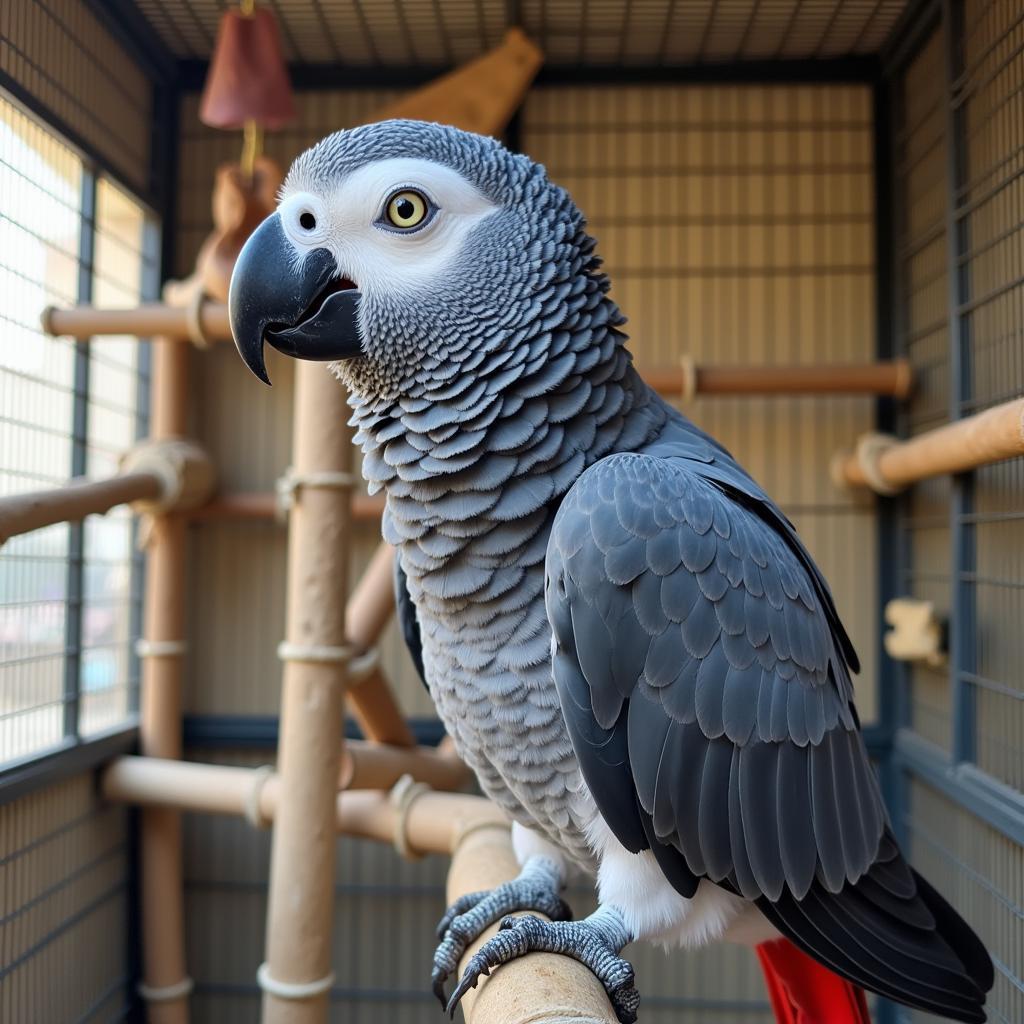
(684, 606)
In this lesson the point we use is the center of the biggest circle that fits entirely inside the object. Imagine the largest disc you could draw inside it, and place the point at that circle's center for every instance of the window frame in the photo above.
(75, 754)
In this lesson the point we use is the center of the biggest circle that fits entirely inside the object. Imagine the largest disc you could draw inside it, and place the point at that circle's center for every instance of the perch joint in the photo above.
(185, 472)
(196, 329)
(290, 482)
(405, 792)
(292, 990)
(254, 799)
(166, 993)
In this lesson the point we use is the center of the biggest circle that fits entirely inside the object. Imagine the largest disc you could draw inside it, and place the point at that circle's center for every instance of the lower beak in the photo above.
(302, 310)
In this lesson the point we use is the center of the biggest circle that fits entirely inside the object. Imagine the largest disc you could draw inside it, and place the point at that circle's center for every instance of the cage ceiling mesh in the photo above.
(628, 33)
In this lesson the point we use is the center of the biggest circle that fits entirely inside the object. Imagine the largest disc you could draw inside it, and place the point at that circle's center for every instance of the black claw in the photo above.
(438, 987)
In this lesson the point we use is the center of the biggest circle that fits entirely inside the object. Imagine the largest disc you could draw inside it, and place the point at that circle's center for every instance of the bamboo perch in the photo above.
(204, 321)
(538, 989)
(166, 984)
(542, 988)
(369, 608)
(690, 379)
(156, 475)
(893, 379)
(432, 821)
(22, 513)
(301, 896)
(888, 466)
(380, 766)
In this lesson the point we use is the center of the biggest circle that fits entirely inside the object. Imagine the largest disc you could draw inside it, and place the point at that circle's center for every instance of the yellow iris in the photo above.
(407, 209)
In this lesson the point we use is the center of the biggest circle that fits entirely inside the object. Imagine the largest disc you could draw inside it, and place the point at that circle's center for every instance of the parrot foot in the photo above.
(536, 888)
(594, 942)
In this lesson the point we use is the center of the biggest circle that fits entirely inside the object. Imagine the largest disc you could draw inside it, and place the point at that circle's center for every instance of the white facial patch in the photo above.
(380, 259)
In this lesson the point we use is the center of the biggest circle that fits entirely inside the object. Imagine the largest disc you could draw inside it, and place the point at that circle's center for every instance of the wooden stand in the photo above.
(165, 979)
(315, 653)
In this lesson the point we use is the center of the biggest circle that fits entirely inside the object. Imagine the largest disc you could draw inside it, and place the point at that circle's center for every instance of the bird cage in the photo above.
(812, 216)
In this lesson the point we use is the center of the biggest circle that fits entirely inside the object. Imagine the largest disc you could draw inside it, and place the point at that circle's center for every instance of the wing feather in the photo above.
(704, 677)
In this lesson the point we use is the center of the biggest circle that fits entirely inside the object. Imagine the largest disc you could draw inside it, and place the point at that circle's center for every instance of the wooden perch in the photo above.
(380, 766)
(204, 321)
(22, 513)
(367, 612)
(690, 380)
(888, 465)
(541, 988)
(893, 379)
(156, 476)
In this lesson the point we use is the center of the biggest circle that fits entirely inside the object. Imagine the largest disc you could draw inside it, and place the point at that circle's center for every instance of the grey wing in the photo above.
(707, 698)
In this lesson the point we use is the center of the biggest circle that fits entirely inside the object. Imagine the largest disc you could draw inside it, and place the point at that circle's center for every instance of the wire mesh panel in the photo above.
(40, 216)
(960, 186)
(923, 327)
(982, 873)
(66, 612)
(123, 274)
(571, 32)
(990, 210)
(59, 56)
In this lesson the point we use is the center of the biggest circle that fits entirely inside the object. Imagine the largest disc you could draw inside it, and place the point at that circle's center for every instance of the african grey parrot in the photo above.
(623, 634)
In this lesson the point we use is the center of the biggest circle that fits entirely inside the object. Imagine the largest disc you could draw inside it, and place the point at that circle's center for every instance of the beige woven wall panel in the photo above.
(60, 54)
(64, 865)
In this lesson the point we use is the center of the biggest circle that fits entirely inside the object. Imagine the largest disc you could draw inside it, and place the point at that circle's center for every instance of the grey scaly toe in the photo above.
(536, 888)
(594, 941)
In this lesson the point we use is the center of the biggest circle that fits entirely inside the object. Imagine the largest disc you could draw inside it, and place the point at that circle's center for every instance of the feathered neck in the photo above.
(497, 437)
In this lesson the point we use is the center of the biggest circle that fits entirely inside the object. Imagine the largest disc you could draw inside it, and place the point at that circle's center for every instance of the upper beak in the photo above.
(303, 310)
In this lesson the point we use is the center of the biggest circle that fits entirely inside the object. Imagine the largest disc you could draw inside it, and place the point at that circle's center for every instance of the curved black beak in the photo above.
(303, 310)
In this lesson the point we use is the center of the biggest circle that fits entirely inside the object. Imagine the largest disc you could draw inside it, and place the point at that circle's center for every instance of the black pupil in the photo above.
(405, 209)
(308, 221)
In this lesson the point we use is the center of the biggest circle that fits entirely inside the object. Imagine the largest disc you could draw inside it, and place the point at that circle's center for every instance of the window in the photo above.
(69, 606)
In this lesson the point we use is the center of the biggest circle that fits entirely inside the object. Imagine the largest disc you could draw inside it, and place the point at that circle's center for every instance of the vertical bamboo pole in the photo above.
(296, 976)
(166, 985)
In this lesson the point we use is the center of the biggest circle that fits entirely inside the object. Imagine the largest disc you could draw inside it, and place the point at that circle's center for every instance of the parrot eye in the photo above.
(407, 210)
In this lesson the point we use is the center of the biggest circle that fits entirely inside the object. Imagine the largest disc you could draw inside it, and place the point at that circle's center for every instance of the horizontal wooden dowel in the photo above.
(208, 322)
(893, 378)
(379, 766)
(690, 379)
(433, 821)
(256, 506)
(888, 465)
(538, 988)
(70, 502)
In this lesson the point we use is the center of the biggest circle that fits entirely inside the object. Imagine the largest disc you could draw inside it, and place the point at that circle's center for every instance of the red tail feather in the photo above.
(803, 992)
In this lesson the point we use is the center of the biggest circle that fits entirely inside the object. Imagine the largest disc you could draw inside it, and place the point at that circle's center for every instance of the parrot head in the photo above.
(405, 253)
